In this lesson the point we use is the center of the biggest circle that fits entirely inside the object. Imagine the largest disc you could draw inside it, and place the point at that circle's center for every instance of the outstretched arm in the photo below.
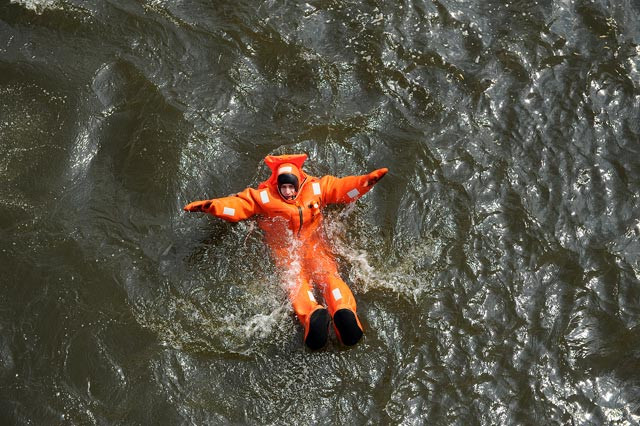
(234, 208)
(349, 188)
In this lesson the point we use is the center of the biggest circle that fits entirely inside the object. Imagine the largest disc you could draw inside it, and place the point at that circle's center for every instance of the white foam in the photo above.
(263, 325)
(38, 6)
(84, 150)
(401, 278)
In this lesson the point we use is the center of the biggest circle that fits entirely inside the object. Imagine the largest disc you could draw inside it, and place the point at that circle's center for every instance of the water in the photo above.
(496, 267)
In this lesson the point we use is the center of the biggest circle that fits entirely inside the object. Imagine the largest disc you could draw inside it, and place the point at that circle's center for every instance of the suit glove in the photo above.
(375, 176)
(198, 206)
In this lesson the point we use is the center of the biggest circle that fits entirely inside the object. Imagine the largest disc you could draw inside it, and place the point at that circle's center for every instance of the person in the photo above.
(289, 207)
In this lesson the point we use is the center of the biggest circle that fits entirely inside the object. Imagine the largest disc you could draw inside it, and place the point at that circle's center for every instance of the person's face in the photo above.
(288, 191)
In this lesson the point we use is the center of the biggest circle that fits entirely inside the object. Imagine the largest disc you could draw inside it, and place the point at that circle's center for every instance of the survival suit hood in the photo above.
(286, 169)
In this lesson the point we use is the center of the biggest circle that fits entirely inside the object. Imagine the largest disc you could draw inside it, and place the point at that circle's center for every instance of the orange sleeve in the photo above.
(234, 208)
(349, 188)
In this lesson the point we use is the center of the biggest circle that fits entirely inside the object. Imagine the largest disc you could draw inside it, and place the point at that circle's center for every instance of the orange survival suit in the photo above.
(292, 232)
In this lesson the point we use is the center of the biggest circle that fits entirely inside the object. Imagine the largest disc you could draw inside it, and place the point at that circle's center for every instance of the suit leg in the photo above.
(337, 295)
(313, 316)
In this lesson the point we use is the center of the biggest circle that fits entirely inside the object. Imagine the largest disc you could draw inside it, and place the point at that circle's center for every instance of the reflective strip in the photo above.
(313, 299)
(336, 294)
(264, 196)
(353, 193)
(316, 188)
(285, 169)
(228, 211)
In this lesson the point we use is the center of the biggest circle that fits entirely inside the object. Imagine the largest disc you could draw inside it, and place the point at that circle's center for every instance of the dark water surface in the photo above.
(496, 267)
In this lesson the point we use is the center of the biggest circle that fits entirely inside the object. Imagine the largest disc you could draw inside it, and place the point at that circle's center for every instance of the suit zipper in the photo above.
(300, 208)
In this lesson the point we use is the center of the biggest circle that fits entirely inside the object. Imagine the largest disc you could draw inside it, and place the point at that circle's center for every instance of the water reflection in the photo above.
(496, 268)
